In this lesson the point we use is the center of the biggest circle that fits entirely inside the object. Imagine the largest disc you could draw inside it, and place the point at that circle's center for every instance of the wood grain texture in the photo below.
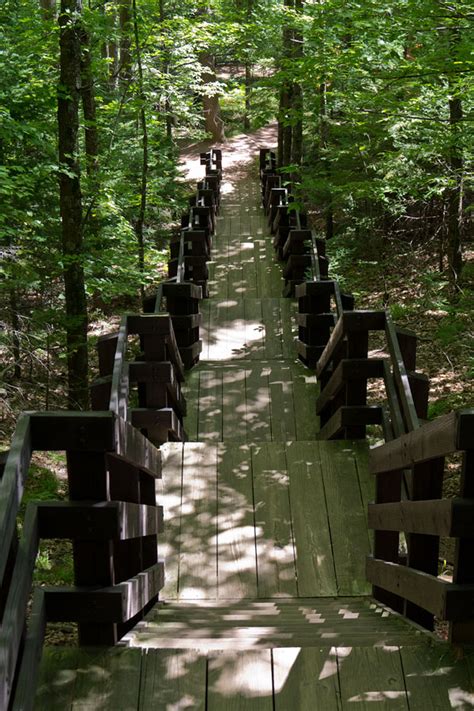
(198, 550)
(236, 554)
(314, 556)
(371, 678)
(305, 679)
(240, 681)
(169, 495)
(347, 517)
(173, 679)
(275, 545)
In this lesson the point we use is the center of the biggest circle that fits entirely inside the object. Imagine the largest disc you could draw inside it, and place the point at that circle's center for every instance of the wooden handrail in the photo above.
(78, 433)
(445, 435)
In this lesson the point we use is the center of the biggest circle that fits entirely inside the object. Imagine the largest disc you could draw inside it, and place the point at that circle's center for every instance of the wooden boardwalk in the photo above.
(266, 605)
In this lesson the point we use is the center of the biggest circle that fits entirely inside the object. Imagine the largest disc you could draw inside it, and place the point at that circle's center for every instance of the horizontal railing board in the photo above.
(316, 320)
(350, 322)
(137, 449)
(114, 604)
(445, 600)
(351, 416)
(347, 370)
(447, 434)
(436, 517)
(75, 431)
(118, 520)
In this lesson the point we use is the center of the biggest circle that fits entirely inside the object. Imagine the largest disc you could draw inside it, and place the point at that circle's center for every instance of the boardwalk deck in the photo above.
(266, 605)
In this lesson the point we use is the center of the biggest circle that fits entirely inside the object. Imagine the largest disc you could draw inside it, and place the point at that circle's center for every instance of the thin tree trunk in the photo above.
(297, 106)
(210, 100)
(89, 106)
(140, 223)
(324, 137)
(248, 89)
(125, 54)
(455, 193)
(70, 200)
(15, 325)
(48, 9)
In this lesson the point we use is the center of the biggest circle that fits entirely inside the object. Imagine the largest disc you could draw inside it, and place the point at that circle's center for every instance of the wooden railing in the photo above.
(112, 517)
(169, 342)
(414, 588)
(113, 521)
(410, 467)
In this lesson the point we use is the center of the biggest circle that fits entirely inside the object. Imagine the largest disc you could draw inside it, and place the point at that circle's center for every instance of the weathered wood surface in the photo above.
(308, 678)
(263, 519)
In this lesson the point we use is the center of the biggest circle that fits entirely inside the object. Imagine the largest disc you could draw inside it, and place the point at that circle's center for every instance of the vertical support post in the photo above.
(463, 574)
(93, 560)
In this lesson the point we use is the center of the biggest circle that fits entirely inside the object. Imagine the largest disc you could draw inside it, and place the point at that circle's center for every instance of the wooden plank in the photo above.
(84, 431)
(436, 679)
(257, 395)
(191, 393)
(289, 328)
(198, 527)
(347, 517)
(235, 278)
(444, 600)
(234, 332)
(249, 272)
(314, 556)
(436, 517)
(234, 409)
(170, 497)
(272, 321)
(113, 604)
(57, 678)
(117, 520)
(172, 679)
(240, 681)
(348, 416)
(371, 678)
(305, 390)
(400, 375)
(210, 406)
(305, 679)
(236, 553)
(107, 680)
(430, 441)
(350, 322)
(282, 403)
(275, 545)
(254, 329)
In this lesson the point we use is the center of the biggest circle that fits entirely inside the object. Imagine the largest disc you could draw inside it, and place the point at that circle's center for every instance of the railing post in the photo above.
(463, 573)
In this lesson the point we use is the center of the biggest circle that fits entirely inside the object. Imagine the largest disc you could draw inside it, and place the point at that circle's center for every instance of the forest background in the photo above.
(374, 102)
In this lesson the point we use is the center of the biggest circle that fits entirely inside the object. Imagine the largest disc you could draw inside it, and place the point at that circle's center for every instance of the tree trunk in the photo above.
(324, 138)
(140, 223)
(89, 106)
(125, 54)
(456, 164)
(210, 100)
(284, 125)
(297, 106)
(48, 9)
(248, 89)
(70, 201)
(15, 326)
